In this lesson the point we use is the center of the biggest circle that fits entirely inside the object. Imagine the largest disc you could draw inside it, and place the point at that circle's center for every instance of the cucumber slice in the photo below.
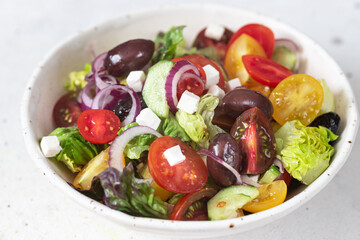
(329, 100)
(284, 57)
(154, 88)
(270, 175)
(225, 203)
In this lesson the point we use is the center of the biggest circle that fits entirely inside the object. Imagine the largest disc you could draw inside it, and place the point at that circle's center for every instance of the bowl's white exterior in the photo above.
(46, 86)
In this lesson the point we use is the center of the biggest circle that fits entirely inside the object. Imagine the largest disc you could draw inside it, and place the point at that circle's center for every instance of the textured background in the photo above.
(31, 208)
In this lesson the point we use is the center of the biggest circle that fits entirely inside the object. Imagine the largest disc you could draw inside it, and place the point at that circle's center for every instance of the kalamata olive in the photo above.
(329, 120)
(122, 108)
(238, 100)
(224, 146)
(128, 56)
(222, 120)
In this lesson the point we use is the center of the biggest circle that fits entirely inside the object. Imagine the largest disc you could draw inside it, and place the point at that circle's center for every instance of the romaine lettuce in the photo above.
(304, 151)
(76, 151)
(193, 124)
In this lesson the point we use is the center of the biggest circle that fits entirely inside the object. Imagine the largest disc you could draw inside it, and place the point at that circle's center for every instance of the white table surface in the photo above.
(31, 208)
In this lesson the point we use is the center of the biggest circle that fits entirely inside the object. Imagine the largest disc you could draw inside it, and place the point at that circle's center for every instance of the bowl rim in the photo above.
(160, 224)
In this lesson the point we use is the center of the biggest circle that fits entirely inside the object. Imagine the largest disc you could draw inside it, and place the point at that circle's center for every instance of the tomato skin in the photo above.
(243, 45)
(190, 83)
(67, 110)
(200, 61)
(270, 195)
(260, 33)
(297, 97)
(265, 71)
(181, 207)
(98, 126)
(185, 177)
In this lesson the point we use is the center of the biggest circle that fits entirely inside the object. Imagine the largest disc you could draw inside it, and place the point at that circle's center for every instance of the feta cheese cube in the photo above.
(148, 118)
(216, 91)
(212, 76)
(135, 80)
(233, 83)
(214, 31)
(50, 146)
(188, 102)
(174, 155)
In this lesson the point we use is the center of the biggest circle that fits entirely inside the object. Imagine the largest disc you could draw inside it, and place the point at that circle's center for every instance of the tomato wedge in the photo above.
(270, 195)
(193, 206)
(264, 70)
(260, 33)
(186, 177)
(67, 110)
(98, 126)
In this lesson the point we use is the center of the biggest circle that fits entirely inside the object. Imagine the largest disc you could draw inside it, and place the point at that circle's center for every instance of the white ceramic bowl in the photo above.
(46, 86)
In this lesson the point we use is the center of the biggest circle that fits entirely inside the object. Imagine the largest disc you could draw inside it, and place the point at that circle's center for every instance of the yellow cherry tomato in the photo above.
(270, 195)
(93, 168)
(233, 64)
(297, 97)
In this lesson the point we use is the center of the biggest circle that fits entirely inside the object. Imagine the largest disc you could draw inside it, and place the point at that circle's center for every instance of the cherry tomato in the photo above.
(201, 41)
(285, 176)
(190, 83)
(185, 177)
(270, 195)
(67, 110)
(98, 126)
(264, 70)
(297, 97)
(200, 61)
(243, 45)
(256, 86)
(262, 34)
(193, 206)
(252, 130)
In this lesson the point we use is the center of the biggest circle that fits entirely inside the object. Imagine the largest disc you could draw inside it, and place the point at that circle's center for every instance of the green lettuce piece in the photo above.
(123, 192)
(77, 79)
(170, 127)
(194, 125)
(206, 109)
(76, 151)
(304, 151)
(138, 144)
(166, 44)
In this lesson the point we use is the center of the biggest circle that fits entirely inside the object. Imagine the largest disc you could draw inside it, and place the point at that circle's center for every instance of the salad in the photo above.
(220, 130)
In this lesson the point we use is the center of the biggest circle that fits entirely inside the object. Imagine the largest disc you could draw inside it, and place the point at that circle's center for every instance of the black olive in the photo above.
(224, 146)
(239, 100)
(128, 56)
(122, 108)
(329, 120)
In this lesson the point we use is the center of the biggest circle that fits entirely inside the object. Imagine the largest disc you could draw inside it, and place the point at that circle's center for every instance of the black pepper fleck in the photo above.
(349, 141)
(231, 226)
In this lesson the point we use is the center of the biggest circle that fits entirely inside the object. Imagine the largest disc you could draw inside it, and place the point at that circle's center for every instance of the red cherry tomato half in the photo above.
(98, 126)
(185, 177)
(193, 206)
(264, 70)
(67, 110)
(260, 33)
(200, 61)
(192, 84)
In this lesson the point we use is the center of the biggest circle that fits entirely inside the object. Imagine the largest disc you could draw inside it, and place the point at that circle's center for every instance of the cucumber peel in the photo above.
(154, 88)
(284, 57)
(228, 200)
(270, 175)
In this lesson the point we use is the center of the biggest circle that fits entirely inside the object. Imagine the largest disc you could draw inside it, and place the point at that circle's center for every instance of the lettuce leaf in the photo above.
(166, 44)
(170, 127)
(194, 125)
(76, 151)
(123, 192)
(77, 79)
(304, 151)
(138, 144)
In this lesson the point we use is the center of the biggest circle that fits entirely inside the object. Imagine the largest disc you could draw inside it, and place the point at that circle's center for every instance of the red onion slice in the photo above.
(87, 96)
(248, 181)
(98, 63)
(223, 163)
(103, 81)
(173, 78)
(279, 164)
(112, 94)
(116, 156)
(293, 47)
